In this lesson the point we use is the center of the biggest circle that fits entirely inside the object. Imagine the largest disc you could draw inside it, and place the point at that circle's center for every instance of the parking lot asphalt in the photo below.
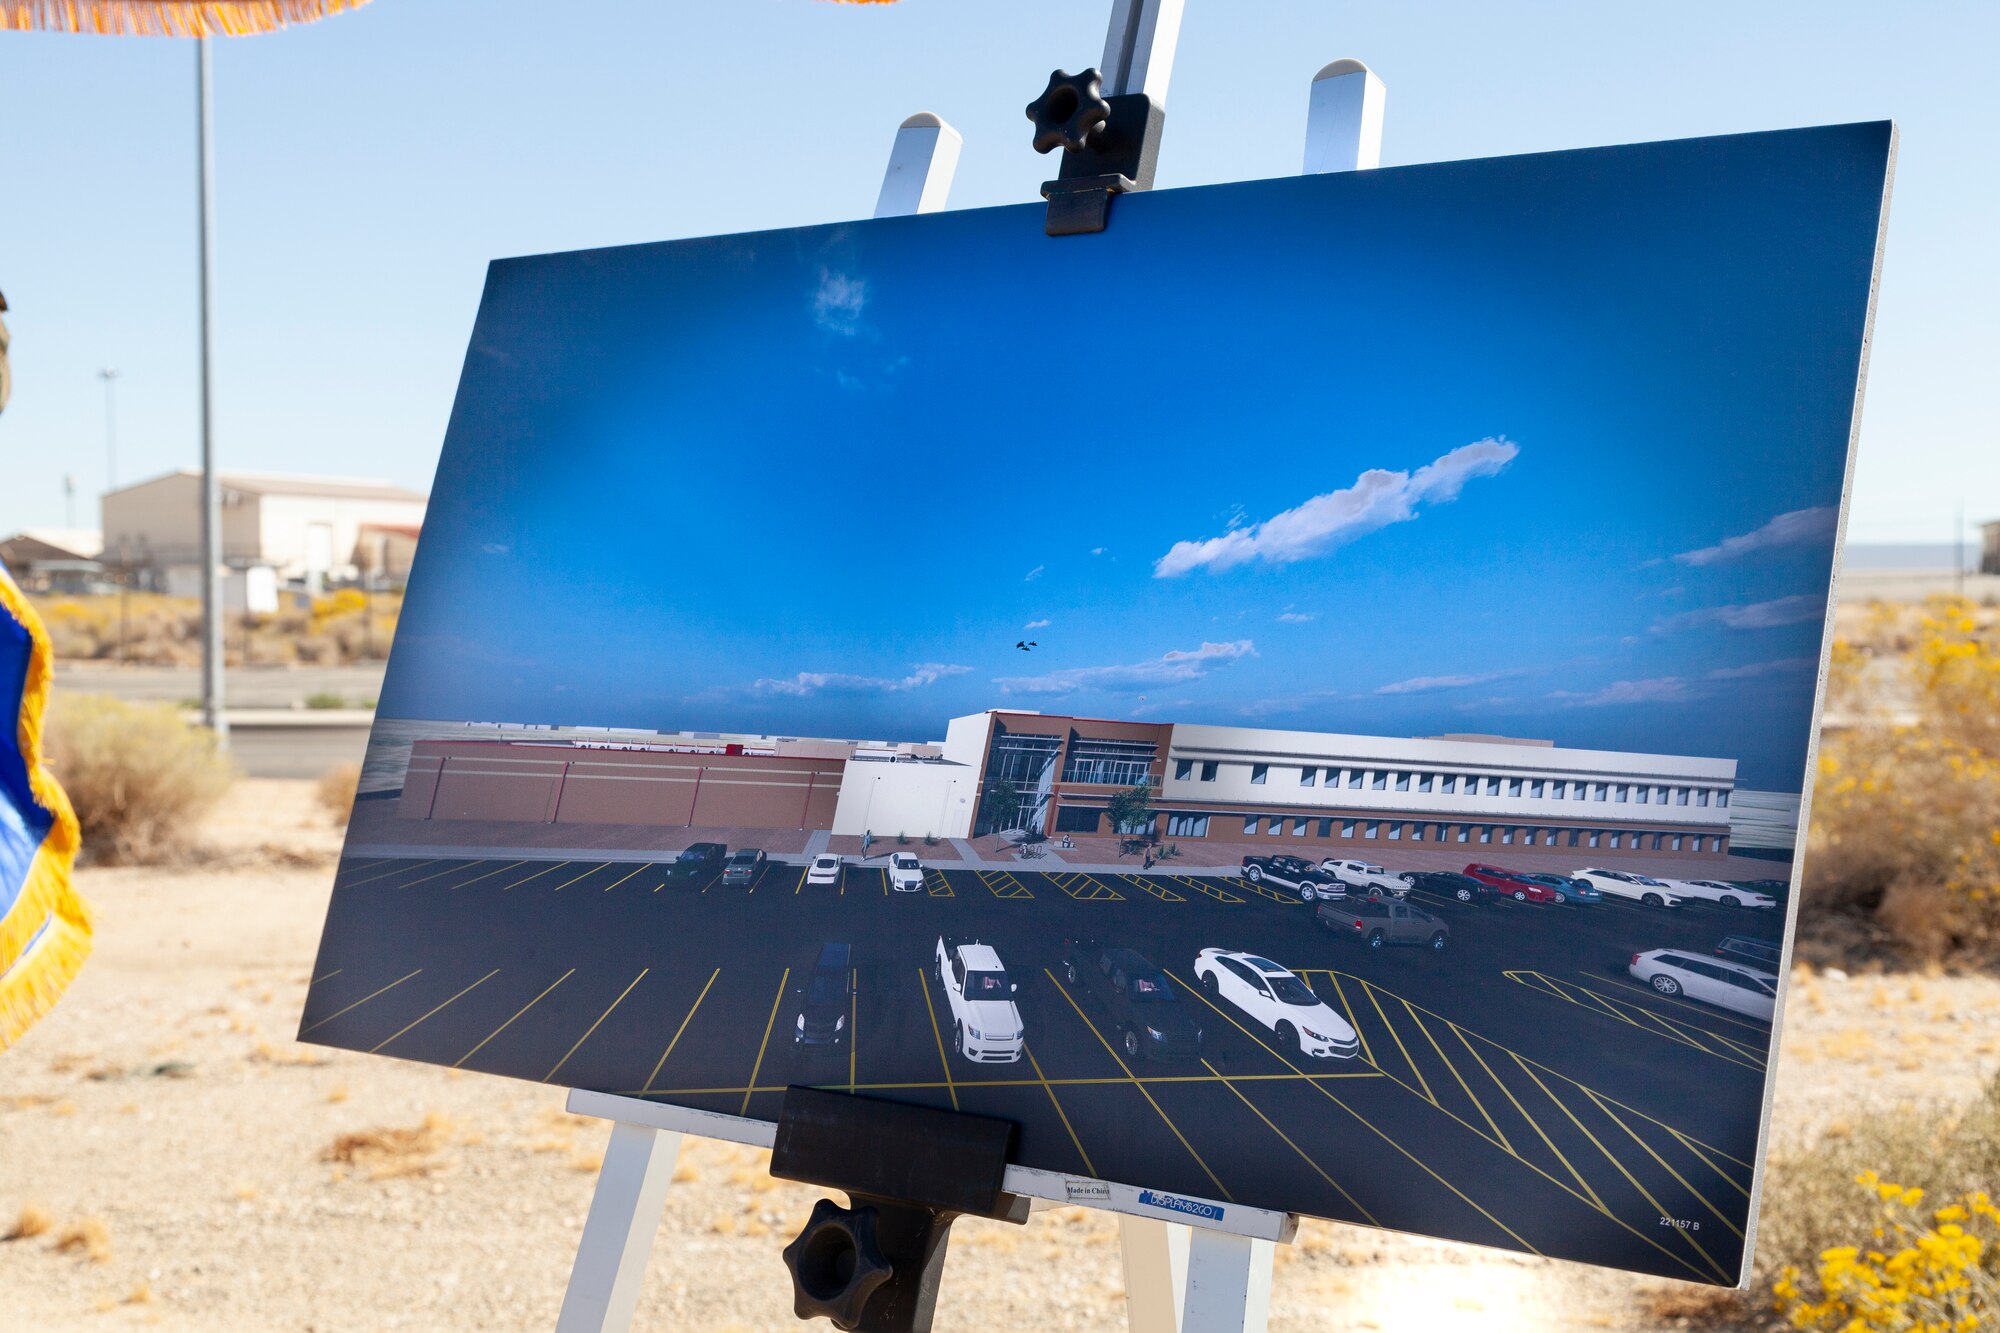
(1515, 1089)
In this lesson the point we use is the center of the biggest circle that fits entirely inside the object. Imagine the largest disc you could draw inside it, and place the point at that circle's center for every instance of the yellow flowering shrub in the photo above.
(1906, 814)
(1923, 1273)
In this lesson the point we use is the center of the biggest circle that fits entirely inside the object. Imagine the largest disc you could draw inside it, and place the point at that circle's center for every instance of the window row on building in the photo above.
(1462, 784)
(1195, 825)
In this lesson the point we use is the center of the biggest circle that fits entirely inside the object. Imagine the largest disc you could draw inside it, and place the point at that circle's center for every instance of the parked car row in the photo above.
(1334, 877)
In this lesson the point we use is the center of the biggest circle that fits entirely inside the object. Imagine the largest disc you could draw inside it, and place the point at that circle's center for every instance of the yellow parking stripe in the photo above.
(800, 886)
(1084, 888)
(682, 1028)
(1003, 885)
(329, 976)
(392, 870)
(412, 1023)
(1428, 1095)
(585, 875)
(924, 984)
(1104, 1081)
(854, 1017)
(1088, 1169)
(510, 1022)
(1700, 1011)
(1205, 884)
(1696, 1148)
(456, 865)
(622, 878)
(937, 885)
(489, 874)
(1455, 1074)
(1666, 1166)
(1350, 1009)
(1113, 1053)
(776, 1000)
(1227, 1083)
(537, 875)
(600, 1020)
(358, 1003)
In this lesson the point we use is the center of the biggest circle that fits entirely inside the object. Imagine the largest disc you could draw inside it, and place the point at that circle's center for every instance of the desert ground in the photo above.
(170, 1158)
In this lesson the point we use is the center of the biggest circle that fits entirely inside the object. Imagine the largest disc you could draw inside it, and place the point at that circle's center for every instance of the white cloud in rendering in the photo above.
(1658, 690)
(1797, 609)
(816, 682)
(1787, 529)
(1297, 617)
(1432, 684)
(1779, 667)
(1033, 574)
(838, 301)
(1170, 668)
(1377, 498)
(1036, 624)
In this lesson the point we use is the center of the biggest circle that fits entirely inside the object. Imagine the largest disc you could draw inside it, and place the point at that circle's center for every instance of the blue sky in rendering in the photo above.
(1549, 446)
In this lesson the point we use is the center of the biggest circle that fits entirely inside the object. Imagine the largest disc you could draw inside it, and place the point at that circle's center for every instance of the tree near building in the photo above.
(1003, 803)
(1132, 810)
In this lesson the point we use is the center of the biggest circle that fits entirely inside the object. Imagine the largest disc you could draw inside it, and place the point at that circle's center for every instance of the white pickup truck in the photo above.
(1366, 878)
(985, 1024)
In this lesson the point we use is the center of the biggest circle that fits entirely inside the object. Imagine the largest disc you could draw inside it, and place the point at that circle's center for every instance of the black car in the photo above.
(1147, 1013)
(743, 866)
(1748, 949)
(825, 998)
(695, 862)
(1447, 884)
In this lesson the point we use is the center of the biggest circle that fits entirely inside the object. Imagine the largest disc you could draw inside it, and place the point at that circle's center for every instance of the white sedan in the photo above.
(825, 869)
(1277, 999)
(906, 873)
(1720, 891)
(1624, 884)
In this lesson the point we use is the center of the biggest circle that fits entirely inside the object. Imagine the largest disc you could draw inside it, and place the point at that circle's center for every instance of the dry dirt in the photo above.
(183, 1164)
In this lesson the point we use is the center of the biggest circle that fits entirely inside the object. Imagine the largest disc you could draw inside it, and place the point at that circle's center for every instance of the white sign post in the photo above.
(1199, 1276)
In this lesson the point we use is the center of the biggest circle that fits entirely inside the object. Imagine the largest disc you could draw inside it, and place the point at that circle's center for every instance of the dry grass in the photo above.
(87, 1236)
(28, 1223)
(166, 631)
(139, 777)
(336, 790)
(387, 1153)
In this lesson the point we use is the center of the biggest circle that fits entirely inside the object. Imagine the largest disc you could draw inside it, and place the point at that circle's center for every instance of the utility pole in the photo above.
(212, 715)
(110, 377)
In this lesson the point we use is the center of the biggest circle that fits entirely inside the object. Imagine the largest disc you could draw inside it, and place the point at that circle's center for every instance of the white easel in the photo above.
(1198, 1276)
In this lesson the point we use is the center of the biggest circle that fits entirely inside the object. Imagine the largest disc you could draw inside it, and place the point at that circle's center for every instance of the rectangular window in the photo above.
(1077, 819)
(1308, 776)
(1486, 833)
(1274, 825)
(1299, 827)
(1402, 782)
(1618, 793)
(1639, 795)
(1680, 796)
(1187, 826)
(1506, 835)
(1249, 823)
(1395, 833)
(1258, 772)
(1701, 796)
(1346, 828)
(1354, 777)
(1715, 844)
(1596, 791)
(1332, 776)
(1513, 786)
(1677, 842)
(1326, 828)
(1722, 798)
(1462, 833)
(1572, 836)
(1371, 829)
(1615, 838)
(1183, 769)
(1535, 789)
(1493, 786)
(1416, 833)
(1208, 771)
(1557, 790)
(1594, 836)
(1424, 781)
(1378, 780)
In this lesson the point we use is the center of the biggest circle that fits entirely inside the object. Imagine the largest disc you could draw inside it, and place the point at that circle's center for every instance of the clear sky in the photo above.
(372, 164)
(1548, 446)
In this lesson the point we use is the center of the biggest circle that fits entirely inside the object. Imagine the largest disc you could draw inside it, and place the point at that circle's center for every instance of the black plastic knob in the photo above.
(837, 1263)
(1069, 111)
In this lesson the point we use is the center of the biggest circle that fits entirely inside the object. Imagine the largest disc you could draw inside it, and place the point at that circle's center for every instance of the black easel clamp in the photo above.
(909, 1173)
(1110, 146)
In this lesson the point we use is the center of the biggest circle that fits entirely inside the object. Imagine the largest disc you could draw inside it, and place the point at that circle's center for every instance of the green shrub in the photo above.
(139, 775)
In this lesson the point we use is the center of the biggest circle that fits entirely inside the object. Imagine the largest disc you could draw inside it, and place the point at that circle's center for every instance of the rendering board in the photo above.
(1302, 700)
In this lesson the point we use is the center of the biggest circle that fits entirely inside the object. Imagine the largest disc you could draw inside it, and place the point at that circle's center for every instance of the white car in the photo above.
(906, 873)
(1366, 878)
(1734, 986)
(1277, 999)
(985, 1024)
(825, 869)
(1624, 884)
(1719, 891)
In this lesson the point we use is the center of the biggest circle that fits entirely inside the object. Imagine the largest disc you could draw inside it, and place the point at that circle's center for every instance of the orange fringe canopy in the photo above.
(165, 18)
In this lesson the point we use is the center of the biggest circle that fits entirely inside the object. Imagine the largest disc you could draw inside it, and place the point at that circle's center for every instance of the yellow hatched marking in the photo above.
(407, 1026)
(661, 1063)
(1369, 991)
(1366, 1054)
(329, 976)
(358, 1003)
(1088, 1169)
(1665, 1165)
(1247, 886)
(1202, 884)
(924, 984)
(1658, 1024)
(933, 1085)
(1151, 884)
(776, 1000)
(585, 875)
(937, 885)
(1696, 1148)
(384, 874)
(1227, 1083)
(1143, 1092)
(1085, 888)
(1699, 1011)
(622, 878)
(1467, 1087)
(510, 1022)
(599, 1023)
(1003, 885)
(504, 888)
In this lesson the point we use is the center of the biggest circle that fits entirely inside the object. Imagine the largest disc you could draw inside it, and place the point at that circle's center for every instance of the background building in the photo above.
(54, 559)
(302, 528)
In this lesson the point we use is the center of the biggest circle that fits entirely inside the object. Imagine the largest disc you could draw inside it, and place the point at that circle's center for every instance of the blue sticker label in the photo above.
(1174, 1203)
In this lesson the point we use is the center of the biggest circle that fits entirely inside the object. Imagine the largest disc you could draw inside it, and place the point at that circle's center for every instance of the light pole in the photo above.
(211, 498)
(110, 377)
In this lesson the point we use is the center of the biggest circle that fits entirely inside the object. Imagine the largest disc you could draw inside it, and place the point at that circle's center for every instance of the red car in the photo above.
(1510, 885)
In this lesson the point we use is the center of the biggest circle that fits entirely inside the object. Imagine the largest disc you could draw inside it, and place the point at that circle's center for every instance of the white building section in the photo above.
(913, 798)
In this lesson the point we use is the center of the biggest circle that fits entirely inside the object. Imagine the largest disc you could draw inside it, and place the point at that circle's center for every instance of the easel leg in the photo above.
(1156, 1260)
(1228, 1284)
(618, 1234)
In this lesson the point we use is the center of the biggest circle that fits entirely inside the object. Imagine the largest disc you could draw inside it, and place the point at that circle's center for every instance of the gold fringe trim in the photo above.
(31, 981)
(165, 18)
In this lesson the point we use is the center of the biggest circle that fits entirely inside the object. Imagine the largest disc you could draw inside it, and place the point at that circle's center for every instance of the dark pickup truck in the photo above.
(1144, 1004)
(1378, 924)
(696, 862)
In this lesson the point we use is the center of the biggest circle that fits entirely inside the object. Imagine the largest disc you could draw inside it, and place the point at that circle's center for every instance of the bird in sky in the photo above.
(1026, 645)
